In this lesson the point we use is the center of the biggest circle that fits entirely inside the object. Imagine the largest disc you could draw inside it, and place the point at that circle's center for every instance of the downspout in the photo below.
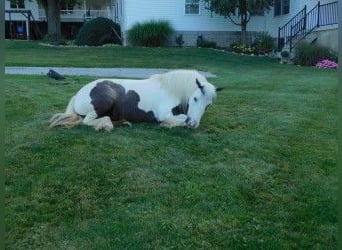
(123, 23)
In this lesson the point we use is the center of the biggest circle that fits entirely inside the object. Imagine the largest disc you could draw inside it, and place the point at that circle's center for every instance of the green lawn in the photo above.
(259, 173)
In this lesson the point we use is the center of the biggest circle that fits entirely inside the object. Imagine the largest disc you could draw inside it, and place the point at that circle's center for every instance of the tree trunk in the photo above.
(244, 21)
(52, 11)
(243, 30)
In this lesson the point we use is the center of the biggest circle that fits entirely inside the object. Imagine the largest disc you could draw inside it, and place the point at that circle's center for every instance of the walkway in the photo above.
(100, 72)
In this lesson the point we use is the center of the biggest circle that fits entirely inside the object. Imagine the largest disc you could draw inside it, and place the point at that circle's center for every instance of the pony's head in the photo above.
(199, 101)
(192, 90)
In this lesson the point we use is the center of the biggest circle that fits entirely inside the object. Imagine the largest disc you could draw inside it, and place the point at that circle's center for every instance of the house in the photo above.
(26, 19)
(288, 21)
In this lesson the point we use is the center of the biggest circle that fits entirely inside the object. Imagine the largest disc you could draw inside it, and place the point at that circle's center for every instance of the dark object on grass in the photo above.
(53, 74)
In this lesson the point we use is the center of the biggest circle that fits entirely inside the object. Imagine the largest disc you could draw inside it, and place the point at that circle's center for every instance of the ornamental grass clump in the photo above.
(154, 33)
(327, 64)
(307, 54)
(264, 43)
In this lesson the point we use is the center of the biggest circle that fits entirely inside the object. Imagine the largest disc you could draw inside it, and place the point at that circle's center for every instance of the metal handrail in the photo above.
(319, 15)
(284, 32)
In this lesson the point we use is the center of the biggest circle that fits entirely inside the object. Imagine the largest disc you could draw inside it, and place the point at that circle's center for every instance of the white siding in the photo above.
(173, 10)
(136, 11)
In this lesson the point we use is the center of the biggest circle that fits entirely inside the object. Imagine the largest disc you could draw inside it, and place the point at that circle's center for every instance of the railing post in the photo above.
(279, 39)
(291, 38)
(318, 12)
(28, 33)
(304, 17)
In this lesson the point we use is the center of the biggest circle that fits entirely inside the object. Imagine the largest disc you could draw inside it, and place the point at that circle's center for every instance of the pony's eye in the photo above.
(195, 99)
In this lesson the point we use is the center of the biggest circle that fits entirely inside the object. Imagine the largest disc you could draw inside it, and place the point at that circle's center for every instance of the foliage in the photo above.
(254, 49)
(264, 43)
(307, 54)
(241, 48)
(154, 33)
(97, 32)
(204, 43)
(240, 8)
(262, 161)
(327, 64)
(284, 53)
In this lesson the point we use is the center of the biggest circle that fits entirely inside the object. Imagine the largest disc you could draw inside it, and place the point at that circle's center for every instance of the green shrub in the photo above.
(264, 43)
(207, 44)
(150, 34)
(97, 32)
(285, 53)
(308, 54)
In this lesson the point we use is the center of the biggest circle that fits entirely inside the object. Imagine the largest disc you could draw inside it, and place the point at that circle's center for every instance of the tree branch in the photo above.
(234, 22)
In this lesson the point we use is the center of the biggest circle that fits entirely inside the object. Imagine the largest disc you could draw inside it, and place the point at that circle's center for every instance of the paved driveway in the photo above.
(100, 72)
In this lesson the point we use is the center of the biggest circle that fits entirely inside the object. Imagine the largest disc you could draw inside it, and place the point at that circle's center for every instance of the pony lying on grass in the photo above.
(176, 98)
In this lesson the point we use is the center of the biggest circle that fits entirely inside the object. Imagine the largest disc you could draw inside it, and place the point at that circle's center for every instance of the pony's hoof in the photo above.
(127, 124)
(105, 127)
(123, 123)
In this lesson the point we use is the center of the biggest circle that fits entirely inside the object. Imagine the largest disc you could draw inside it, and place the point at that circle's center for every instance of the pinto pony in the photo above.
(175, 98)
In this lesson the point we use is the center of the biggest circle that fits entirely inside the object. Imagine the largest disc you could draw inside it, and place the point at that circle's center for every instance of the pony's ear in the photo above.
(201, 87)
(219, 89)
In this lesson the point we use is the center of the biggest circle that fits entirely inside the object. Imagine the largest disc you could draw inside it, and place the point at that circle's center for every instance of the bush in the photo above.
(150, 34)
(327, 64)
(285, 53)
(264, 43)
(97, 32)
(308, 54)
(207, 44)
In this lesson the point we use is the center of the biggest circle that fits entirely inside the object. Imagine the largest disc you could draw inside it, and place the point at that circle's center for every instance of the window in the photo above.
(286, 7)
(18, 4)
(257, 9)
(66, 8)
(281, 7)
(192, 7)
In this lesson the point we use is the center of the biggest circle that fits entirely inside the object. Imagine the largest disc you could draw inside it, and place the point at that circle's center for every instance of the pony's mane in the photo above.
(182, 83)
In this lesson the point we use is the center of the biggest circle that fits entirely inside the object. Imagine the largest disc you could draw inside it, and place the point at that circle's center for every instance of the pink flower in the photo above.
(327, 64)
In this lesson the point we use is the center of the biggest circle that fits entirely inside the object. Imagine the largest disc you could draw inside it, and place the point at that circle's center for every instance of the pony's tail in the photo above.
(68, 119)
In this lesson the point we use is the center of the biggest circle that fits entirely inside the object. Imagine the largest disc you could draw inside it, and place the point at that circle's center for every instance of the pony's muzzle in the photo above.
(190, 123)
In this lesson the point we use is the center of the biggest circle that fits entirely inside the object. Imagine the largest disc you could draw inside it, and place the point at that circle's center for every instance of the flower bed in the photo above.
(327, 64)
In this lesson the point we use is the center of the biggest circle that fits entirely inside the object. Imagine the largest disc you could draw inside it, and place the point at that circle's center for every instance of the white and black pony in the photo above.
(176, 98)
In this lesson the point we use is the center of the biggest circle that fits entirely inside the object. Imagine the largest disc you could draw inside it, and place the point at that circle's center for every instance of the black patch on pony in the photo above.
(181, 108)
(105, 98)
(110, 99)
(201, 87)
(130, 111)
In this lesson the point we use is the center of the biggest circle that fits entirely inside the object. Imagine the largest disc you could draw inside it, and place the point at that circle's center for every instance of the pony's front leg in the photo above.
(98, 123)
(178, 120)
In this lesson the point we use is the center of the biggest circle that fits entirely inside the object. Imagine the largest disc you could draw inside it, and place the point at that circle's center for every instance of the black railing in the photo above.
(284, 33)
(297, 29)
